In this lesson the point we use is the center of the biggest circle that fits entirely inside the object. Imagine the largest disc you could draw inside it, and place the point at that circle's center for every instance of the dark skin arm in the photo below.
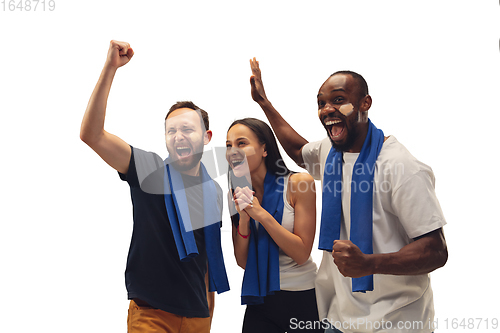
(289, 139)
(427, 253)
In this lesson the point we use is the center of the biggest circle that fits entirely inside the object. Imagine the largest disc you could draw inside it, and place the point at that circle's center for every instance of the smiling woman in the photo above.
(277, 235)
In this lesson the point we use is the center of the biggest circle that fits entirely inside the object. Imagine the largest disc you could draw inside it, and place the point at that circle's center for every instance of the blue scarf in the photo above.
(361, 200)
(262, 272)
(178, 214)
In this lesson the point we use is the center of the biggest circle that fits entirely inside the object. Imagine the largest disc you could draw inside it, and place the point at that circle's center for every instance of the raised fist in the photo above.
(119, 54)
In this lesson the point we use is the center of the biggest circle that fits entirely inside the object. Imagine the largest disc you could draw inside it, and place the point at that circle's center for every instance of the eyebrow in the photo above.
(181, 126)
(334, 90)
(240, 138)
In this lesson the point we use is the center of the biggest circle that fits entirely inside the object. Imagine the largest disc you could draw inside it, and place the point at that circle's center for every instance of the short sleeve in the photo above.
(220, 200)
(416, 205)
(311, 154)
(131, 176)
(146, 170)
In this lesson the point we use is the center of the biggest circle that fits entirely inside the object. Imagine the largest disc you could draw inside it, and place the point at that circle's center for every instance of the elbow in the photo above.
(441, 252)
(85, 136)
(443, 256)
(301, 259)
(241, 263)
(88, 137)
(439, 257)
(300, 262)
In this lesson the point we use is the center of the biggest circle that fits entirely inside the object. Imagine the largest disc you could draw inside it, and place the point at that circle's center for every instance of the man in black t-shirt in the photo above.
(167, 294)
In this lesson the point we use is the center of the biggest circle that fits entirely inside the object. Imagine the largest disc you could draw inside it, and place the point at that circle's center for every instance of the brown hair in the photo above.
(190, 105)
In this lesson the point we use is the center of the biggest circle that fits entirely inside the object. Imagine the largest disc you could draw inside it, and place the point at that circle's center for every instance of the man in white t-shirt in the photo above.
(408, 240)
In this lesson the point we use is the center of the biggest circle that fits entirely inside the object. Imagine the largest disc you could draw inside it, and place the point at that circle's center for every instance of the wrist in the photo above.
(373, 263)
(262, 216)
(109, 69)
(244, 220)
(265, 104)
(245, 234)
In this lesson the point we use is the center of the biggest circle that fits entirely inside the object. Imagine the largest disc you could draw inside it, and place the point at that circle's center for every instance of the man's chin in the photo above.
(345, 146)
(186, 164)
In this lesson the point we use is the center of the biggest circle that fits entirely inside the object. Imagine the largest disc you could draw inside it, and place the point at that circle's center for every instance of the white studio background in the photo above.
(66, 218)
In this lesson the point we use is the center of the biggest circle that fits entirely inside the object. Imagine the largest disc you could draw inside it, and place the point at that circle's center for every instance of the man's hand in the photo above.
(119, 54)
(258, 93)
(350, 260)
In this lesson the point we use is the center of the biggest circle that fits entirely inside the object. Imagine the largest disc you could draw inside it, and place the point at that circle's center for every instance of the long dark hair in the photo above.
(274, 161)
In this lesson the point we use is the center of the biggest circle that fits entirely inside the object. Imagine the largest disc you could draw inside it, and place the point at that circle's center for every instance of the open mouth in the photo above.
(336, 128)
(183, 151)
(236, 163)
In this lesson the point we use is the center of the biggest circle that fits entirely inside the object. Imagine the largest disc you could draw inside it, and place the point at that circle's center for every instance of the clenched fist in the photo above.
(119, 54)
(349, 259)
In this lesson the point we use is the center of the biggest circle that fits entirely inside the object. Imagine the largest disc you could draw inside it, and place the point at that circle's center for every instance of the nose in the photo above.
(178, 136)
(327, 110)
(232, 151)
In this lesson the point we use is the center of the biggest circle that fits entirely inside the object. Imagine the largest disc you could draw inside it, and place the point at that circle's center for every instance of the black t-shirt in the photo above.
(154, 271)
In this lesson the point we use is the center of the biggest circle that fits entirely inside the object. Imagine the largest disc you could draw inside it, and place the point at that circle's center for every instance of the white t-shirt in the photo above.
(405, 206)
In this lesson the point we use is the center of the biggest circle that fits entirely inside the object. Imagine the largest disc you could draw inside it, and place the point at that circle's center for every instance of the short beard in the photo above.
(352, 134)
(180, 165)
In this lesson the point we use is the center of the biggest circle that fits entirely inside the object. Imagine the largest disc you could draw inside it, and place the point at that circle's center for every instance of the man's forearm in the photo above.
(289, 139)
(93, 119)
(420, 257)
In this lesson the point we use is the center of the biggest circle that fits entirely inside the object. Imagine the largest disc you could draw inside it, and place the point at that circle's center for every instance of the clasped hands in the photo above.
(247, 205)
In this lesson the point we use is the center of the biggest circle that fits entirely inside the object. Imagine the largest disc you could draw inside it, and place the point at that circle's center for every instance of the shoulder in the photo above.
(398, 165)
(395, 153)
(299, 177)
(301, 187)
(314, 155)
(219, 190)
(316, 146)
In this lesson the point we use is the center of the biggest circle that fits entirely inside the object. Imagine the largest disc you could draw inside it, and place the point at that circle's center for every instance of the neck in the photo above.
(192, 172)
(257, 180)
(360, 140)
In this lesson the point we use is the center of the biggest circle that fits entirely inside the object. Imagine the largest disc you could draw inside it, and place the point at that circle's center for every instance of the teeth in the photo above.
(332, 122)
(236, 162)
(178, 148)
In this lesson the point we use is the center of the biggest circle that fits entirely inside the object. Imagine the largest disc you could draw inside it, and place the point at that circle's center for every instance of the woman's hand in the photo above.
(242, 198)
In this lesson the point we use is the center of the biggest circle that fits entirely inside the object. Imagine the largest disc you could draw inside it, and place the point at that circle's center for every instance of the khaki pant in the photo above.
(145, 319)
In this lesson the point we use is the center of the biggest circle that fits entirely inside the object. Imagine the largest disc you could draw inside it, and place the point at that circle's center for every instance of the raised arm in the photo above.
(289, 139)
(109, 147)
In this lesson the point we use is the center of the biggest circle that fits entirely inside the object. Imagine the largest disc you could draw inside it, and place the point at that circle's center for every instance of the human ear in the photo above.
(365, 104)
(207, 137)
(264, 150)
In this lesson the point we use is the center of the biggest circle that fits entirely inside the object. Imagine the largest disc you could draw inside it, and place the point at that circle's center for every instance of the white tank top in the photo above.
(294, 277)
